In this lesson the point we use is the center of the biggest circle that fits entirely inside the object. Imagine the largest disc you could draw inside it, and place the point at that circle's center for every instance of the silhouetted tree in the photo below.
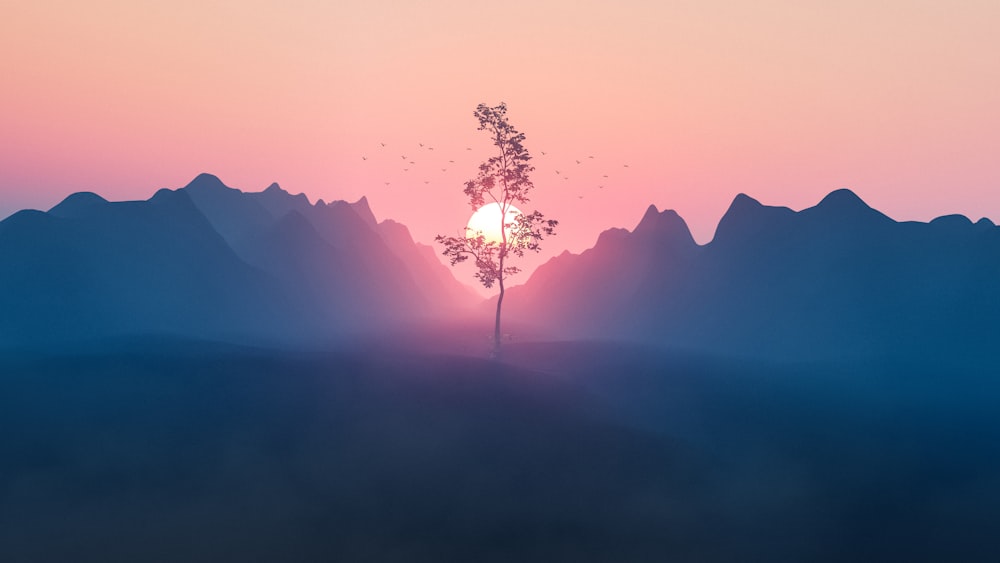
(502, 179)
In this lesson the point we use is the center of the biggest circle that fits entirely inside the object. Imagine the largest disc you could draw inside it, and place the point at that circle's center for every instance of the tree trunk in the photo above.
(495, 354)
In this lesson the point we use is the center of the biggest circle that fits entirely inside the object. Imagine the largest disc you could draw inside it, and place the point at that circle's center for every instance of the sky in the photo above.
(680, 104)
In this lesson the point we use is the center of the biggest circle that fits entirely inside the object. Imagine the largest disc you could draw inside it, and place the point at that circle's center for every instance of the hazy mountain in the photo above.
(93, 268)
(836, 280)
(380, 266)
(434, 279)
(211, 261)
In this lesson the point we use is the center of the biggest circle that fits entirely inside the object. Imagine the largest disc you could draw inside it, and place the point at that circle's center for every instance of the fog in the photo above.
(588, 451)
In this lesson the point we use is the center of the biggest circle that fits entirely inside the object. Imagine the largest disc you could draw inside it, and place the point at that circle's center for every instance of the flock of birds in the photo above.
(408, 163)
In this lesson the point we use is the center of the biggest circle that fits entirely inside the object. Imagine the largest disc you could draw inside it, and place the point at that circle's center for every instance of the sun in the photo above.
(486, 221)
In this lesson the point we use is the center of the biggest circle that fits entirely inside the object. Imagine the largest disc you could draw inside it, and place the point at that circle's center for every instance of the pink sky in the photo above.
(783, 100)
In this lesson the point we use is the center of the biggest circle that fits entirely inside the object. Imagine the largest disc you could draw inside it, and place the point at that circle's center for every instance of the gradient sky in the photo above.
(783, 100)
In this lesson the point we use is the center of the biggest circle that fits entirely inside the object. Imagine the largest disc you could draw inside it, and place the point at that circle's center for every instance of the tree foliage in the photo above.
(504, 179)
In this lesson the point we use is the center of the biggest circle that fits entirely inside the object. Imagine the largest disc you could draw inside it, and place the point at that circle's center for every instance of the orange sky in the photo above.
(783, 100)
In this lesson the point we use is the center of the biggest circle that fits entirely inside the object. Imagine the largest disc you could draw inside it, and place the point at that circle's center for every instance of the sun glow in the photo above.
(486, 221)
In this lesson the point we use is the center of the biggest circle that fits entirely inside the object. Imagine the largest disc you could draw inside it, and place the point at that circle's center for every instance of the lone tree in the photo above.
(502, 180)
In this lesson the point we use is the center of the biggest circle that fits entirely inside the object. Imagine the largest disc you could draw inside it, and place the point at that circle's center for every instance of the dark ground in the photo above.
(566, 452)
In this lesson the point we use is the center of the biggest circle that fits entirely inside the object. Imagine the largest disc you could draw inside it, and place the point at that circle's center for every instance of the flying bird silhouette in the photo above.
(364, 158)
(578, 162)
(403, 157)
(383, 144)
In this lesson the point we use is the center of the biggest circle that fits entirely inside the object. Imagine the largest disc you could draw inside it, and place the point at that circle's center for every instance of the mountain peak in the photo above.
(952, 221)
(394, 234)
(666, 224)
(206, 182)
(845, 205)
(277, 201)
(744, 202)
(651, 212)
(654, 220)
(77, 203)
(364, 211)
(742, 206)
(747, 215)
(843, 199)
(274, 190)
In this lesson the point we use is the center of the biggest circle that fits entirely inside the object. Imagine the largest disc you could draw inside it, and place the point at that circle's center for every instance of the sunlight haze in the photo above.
(681, 104)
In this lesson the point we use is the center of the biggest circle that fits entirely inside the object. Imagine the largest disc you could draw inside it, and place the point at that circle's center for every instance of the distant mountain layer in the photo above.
(836, 280)
(209, 261)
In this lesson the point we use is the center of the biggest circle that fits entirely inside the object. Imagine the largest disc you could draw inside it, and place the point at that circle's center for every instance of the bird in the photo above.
(421, 144)
(626, 166)
(543, 153)
(605, 175)
(403, 157)
(557, 172)
(364, 158)
(468, 148)
(383, 144)
(452, 161)
(578, 162)
(591, 157)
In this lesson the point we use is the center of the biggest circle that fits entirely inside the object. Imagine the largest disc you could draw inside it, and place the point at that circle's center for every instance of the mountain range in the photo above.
(211, 262)
(837, 280)
(206, 261)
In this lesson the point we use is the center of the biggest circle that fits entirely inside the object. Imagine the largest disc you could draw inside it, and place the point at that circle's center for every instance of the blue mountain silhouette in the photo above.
(838, 280)
(209, 261)
(93, 268)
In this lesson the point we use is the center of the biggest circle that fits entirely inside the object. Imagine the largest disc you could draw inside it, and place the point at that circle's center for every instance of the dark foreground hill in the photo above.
(838, 280)
(570, 452)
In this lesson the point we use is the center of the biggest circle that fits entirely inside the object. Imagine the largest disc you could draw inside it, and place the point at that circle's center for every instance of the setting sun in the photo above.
(486, 221)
